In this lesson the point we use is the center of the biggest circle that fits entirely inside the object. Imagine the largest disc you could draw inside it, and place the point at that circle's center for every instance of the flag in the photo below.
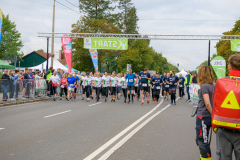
(67, 49)
(235, 45)
(1, 22)
(219, 66)
(94, 56)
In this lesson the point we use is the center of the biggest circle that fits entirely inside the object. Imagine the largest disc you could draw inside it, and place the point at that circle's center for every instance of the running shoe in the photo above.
(105, 99)
(60, 98)
(148, 101)
(142, 102)
(67, 99)
(175, 103)
(83, 99)
(164, 98)
(156, 101)
(171, 103)
(124, 101)
(118, 98)
(114, 100)
(111, 100)
(54, 99)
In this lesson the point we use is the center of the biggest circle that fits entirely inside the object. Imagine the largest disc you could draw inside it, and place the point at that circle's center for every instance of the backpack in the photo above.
(226, 110)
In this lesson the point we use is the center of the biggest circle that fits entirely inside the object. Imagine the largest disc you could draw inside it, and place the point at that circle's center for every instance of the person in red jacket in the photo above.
(228, 140)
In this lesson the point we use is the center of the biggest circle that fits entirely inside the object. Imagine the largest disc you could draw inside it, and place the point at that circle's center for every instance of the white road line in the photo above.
(2, 128)
(119, 135)
(57, 114)
(127, 137)
(94, 104)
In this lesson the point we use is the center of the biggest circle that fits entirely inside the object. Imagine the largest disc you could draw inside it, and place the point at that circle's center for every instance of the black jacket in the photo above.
(5, 79)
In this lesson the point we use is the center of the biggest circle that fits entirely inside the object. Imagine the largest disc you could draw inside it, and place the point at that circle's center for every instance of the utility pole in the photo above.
(209, 45)
(53, 25)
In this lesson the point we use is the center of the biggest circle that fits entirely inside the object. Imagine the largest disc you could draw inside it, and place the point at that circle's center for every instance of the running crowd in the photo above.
(129, 85)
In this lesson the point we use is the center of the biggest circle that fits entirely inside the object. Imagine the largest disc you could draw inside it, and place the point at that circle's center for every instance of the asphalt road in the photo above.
(77, 130)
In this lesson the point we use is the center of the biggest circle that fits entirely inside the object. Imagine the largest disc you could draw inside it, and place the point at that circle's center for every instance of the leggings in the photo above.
(88, 88)
(105, 91)
(156, 93)
(181, 90)
(98, 90)
(172, 92)
(63, 90)
(124, 93)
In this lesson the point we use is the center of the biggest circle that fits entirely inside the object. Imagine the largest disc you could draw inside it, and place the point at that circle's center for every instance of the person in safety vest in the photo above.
(204, 111)
(188, 81)
(226, 112)
(49, 85)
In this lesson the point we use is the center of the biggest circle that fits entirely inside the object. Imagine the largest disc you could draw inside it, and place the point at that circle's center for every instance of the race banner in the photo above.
(193, 90)
(41, 85)
(1, 22)
(94, 56)
(235, 45)
(67, 49)
(219, 66)
(106, 43)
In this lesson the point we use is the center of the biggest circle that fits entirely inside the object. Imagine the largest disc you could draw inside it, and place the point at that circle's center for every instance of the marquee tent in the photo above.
(184, 73)
(56, 65)
(4, 65)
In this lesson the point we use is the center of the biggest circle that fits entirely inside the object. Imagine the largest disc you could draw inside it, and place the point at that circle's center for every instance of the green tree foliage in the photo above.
(40, 50)
(10, 43)
(127, 18)
(224, 47)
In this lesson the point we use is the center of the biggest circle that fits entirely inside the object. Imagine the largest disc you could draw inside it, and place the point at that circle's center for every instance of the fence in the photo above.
(194, 90)
(20, 89)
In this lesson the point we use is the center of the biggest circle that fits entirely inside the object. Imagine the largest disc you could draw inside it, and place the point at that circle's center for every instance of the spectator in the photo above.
(31, 74)
(17, 82)
(12, 83)
(34, 72)
(59, 73)
(26, 84)
(5, 82)
(194, 80)
(47, 76)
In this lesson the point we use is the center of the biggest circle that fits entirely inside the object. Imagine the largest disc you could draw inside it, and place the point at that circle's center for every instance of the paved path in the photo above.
(78, 130)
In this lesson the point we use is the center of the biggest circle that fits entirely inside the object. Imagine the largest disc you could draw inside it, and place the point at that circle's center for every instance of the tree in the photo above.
(224, 47)
(40, 50)
(11, 42)
(96, 9)
(127, 19)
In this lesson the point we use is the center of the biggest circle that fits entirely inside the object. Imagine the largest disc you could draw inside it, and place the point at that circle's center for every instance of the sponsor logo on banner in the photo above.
(219, 66)
(106, 43)
(235, 45)
(1, 21)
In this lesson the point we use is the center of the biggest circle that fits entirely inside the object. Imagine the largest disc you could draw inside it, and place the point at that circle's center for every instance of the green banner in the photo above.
(106, 43)
(219, 66)
(235, 45)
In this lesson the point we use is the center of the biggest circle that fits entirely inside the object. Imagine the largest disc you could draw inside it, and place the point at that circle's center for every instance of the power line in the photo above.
(72, 3)
(183, 20)
(41, 3)
(67, 7)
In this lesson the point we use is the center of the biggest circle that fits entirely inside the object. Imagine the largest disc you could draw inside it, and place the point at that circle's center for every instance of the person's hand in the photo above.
(146, 77)
(175, 84)
(170, 83)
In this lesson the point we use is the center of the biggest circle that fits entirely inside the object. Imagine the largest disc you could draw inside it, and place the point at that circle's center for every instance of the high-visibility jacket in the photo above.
(49, 76)
(190, 79)
(226, 110)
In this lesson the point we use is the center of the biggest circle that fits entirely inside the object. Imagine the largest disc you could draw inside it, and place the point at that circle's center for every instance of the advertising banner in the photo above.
(106, 43)
(235, 45)
(193, 90)
(41, 85)
(94, 56)
(219, 66)
(1, 22)
(67, 49)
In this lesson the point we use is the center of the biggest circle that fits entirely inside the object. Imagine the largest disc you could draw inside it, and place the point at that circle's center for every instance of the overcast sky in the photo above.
(174, 17)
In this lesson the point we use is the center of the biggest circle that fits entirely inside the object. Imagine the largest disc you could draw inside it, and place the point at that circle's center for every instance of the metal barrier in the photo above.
(194, 90)
(21, 89)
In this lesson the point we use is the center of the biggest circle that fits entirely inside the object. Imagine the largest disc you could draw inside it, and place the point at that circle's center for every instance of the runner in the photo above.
(106, 81)
(157, 82)
(151, 85)
(130, 85)
(88, 85)
(55, 79)
(181, 85)
(144, 77)
(137, 89)
(93, 85)
(119, 86)
(166, 87)
(114, 80)
(83, 88)
(98, 85)
(124, 87)
(63, 84)
(163, 86)
(77, 84)
(173, 81)
(71, 82)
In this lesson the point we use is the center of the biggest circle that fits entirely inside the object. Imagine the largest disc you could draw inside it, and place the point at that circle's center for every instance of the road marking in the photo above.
(94, 104)
(127, 137)
(2, 128)
(57, 114)
(119, 135)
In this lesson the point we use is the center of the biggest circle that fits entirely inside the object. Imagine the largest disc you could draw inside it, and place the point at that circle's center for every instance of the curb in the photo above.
(22, 102)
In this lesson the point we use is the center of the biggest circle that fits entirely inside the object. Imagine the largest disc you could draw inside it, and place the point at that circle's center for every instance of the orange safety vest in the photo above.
(226, 110)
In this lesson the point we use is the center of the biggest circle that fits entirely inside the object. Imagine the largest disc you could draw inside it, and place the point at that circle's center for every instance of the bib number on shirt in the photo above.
(130, 80)
(144, 84)
(167, 86)
(180, 85)
(158, 87)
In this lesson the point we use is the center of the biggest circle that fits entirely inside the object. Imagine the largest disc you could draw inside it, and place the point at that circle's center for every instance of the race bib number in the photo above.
(62, 86)
(130, 80)
(180, 85)
(71, 85)
(144, 84)
(167, 86)
(136, 85)
(158, 87)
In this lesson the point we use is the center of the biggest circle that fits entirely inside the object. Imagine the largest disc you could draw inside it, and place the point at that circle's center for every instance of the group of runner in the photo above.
(129, 85)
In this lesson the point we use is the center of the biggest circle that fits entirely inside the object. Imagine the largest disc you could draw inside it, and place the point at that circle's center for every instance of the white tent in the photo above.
(56, 65)
(184, 73)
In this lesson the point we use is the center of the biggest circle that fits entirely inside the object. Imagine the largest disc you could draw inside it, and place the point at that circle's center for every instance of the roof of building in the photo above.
(43, 54)
(63, 61)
